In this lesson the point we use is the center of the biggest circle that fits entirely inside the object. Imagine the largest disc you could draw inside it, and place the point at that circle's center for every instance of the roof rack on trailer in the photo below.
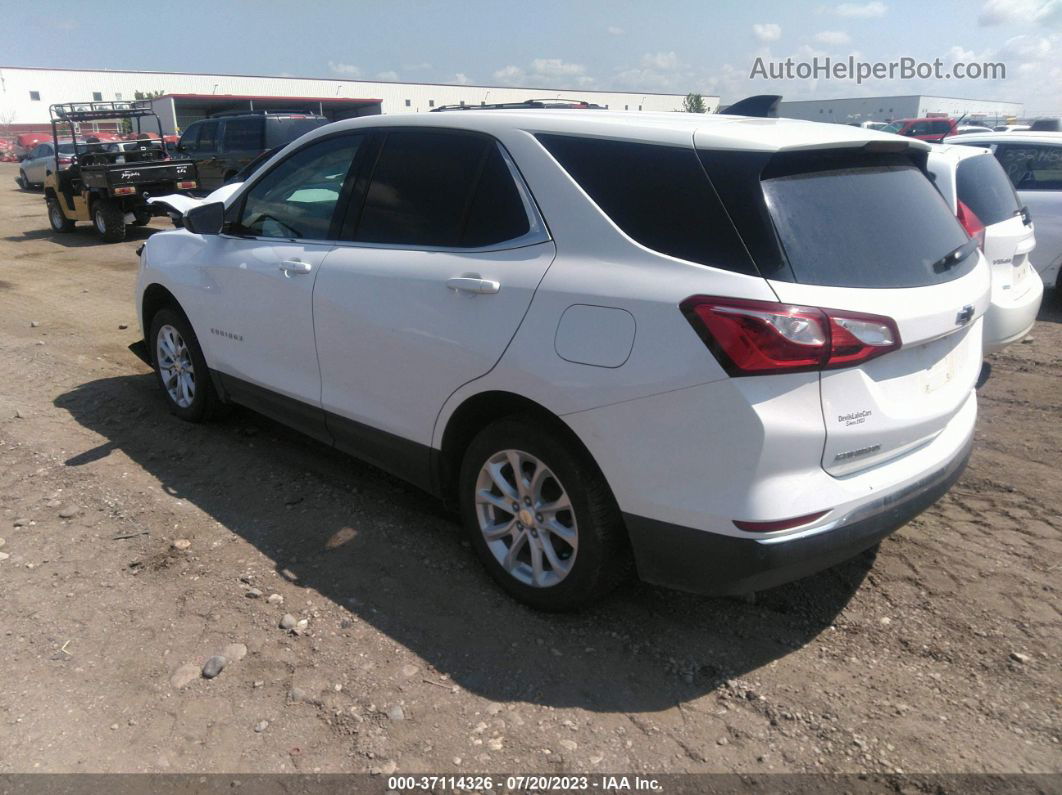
(95, 111)
(527, 104)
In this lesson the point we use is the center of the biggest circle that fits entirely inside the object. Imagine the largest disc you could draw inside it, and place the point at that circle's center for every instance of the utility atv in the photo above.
(108, 183)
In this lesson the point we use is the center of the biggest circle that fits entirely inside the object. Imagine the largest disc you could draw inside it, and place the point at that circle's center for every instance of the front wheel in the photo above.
(22, 181)
(541, 516)
(109, 220)
(58, 221)
(181, 369)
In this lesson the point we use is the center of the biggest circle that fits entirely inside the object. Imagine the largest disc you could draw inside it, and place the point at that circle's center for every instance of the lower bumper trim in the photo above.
(710, 563)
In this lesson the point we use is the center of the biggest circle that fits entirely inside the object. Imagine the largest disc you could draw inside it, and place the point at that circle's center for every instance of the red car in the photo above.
(933, 130)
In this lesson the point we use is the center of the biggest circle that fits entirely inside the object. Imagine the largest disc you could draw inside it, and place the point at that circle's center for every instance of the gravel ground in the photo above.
(138, 549)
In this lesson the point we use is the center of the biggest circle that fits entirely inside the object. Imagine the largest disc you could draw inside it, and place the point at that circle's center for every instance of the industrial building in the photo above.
(26, 93)
(913, 106)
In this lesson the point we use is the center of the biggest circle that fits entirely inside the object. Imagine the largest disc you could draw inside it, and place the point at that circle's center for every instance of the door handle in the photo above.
(473, 284)
(294, 266)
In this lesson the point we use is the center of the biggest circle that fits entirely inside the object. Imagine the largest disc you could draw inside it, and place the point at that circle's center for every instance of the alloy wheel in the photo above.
(526, 517)
(175, 366)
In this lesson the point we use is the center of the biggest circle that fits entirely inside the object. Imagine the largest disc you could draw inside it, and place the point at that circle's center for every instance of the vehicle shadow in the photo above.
(84, 235)
(1051, 306)
(397, 560)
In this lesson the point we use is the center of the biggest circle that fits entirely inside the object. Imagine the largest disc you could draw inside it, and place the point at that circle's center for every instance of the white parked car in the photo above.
(1033, 161)
(734, 351)
(1010, 127)
(40, 160)
(967, 129)
(978, 191)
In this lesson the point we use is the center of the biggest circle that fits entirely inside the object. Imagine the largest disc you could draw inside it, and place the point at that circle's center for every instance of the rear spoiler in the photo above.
(760, 106)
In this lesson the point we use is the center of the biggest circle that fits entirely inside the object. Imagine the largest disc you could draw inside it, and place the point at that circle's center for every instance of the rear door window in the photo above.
(982, 185)
(1032, 166)
(243, 135)
(865, 226)
(190, 139)
(939, 127)
(657, 195)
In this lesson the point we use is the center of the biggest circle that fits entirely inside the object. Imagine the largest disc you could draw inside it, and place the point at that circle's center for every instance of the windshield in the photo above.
(865, 226)
(895, 127)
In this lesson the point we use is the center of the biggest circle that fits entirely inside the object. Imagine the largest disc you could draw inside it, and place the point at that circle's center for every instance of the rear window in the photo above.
(1032, 166)
(284, 131)
(982, 185)
(865, 226)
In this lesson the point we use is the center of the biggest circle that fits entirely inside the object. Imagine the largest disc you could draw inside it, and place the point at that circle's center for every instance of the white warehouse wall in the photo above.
(76, 85)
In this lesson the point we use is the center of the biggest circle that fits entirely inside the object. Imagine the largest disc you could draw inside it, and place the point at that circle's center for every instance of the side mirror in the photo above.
(206, 219)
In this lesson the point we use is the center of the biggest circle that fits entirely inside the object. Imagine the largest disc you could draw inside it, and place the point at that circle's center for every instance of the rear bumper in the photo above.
(1008, 319)
(710, 563)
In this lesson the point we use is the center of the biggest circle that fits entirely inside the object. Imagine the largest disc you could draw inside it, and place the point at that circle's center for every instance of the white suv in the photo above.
(977, 189)
(730, 351)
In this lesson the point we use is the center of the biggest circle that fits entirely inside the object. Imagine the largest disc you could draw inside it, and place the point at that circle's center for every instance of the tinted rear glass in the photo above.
(284, 131)
(243, 135)
(658, 195)
(878, 226)
(982, 185)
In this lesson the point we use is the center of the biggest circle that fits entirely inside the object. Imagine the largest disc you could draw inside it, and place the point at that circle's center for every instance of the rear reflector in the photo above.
(187, 184)
(125, 190)
(781, 524)
(762, 337)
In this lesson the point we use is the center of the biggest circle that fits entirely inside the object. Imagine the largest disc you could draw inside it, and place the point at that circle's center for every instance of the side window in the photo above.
(190, 137)
(208, 138)
(1032, 166)
(46, 150)
(244, 135)
(920, 128)
(657, 195)
(940, 126)
(298, 197)
(434, 188)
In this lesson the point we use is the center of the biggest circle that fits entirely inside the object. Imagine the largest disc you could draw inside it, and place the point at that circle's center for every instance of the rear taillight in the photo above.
(972, 224)
(762, 337)
(123, 190)
(65, 161)
(780, 524)
(186, 184)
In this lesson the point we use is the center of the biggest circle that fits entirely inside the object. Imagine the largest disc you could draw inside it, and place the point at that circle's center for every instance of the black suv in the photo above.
(223, 144)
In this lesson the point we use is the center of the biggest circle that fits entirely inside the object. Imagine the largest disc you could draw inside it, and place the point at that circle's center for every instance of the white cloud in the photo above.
(660, 60)
(555, 67)
(390, 75)
(615, 30)
(861, 10)
(346, 69)
(832, 37)
(767, 32)
(1018, 12)
(510, 75)
(462, 79)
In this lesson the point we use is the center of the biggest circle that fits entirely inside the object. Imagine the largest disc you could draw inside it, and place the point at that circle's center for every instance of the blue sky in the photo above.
(664, 45)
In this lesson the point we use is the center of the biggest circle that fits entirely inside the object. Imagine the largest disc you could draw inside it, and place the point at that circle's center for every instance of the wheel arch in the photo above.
(156, 297)
(477, 412)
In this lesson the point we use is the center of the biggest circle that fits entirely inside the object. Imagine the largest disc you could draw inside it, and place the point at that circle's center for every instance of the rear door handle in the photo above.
(473, 284)
(294, 266)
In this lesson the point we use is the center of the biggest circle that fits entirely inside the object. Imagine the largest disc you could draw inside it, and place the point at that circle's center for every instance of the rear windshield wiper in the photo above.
(955, 256)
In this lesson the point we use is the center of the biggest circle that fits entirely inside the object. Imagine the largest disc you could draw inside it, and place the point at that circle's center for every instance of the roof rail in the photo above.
(527, 104)
(263, 112)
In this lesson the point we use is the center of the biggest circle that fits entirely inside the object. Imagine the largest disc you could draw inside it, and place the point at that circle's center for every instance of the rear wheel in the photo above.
(22, 181)
(181, 369)
(109, 220)
(142, 216)
(541, 516)
(58, 221)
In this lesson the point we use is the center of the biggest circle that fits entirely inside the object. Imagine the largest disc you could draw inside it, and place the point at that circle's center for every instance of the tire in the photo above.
(576, 567)
(194, 400)
(109, 220)
(22, 181)
(59, 222)
(142, 217)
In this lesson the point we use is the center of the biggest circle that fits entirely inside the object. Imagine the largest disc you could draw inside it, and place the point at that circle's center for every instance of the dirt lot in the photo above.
(939, 654)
